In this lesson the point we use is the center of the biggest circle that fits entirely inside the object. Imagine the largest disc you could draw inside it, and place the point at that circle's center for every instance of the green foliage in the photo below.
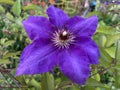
(30, 7)
(8, 2)
(2, 10)
(47, 82)
(16, 9)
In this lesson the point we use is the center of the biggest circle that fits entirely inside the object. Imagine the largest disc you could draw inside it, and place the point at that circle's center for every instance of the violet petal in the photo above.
(37, 27)
(36, 58)
(82, 26)
(57, 16)
(73, 64)
(90, 48)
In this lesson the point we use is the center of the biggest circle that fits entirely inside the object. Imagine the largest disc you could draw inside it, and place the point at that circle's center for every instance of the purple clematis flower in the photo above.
(61, 41)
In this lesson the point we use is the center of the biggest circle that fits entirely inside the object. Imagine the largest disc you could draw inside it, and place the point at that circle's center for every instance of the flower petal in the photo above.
(74, 65)
(37, 26)
(90, 48)
(82, 26)
(57, 16)
(38, 57)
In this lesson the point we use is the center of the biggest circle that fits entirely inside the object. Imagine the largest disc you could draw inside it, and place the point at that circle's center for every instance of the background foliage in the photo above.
(104, 76)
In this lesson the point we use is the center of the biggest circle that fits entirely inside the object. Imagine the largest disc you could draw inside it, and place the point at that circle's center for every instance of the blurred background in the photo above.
(13, 39)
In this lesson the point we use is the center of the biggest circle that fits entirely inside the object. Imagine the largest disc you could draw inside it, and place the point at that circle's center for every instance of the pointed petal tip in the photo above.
(94, 17)
(57, 16)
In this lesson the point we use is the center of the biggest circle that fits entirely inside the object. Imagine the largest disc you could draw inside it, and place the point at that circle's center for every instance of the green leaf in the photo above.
(95, 83)
(9, 16)
(117, 79)
(118, 50)
(29, 7)
(74, 88)
(102, 40)
(65, 84)
(47, 82)
(104, 29)
(11, 54)
(21, 79)
(34, 83)
(89, 88)
(16, 9)
(9, 2)
(1, 81)
(112, 39)
(93, 13)
(4, 61)
(105, 59)
(7, 43)
(2, 10)
(111, 51)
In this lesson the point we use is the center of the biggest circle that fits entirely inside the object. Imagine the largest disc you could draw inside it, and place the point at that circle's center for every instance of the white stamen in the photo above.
(64, 33)
(61, 44)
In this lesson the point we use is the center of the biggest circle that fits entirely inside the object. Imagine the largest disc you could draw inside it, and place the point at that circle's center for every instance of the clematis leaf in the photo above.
(111, 51)
(11, 54)
(2, 10)
(118, 50)
(9, 2)
(34, 83)
(47, 82)
(9, 16)
(4, 61)
(89, 88)
(102, 40)
(104, 29)
(10, 42)
(21, 79)
(95, 83)
(93, 13)
(105, 59)
(112, 39)
(29, 7)
(16, 9)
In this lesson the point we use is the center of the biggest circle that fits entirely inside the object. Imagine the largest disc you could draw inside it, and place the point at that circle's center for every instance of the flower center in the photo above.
(64, 35)
(63, 39)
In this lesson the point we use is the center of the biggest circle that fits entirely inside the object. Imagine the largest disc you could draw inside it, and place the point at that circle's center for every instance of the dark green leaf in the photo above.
(47, 82)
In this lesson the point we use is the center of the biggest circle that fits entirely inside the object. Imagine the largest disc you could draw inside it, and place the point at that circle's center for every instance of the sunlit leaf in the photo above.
(102, 40)
(11, 54)
(102, 28)
(29, 7)
(16, 9)
(4, 61)
(2, 10)
(9, 2)
(111, 51)
(105, 59)
(9, 16)
(112, 39)
(7, 43)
